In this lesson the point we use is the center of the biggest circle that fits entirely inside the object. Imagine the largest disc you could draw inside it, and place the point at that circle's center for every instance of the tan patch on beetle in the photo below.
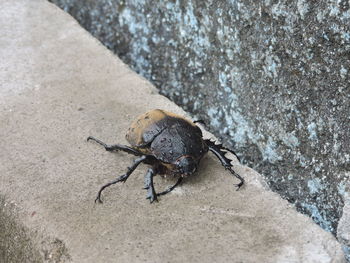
(145, 122)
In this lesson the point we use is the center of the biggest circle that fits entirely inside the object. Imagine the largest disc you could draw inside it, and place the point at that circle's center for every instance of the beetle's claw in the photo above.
(151, 196)
(123, 180)
(92, 138)
(152, 199)
(155, 199)
(98, 199)
(239, 185)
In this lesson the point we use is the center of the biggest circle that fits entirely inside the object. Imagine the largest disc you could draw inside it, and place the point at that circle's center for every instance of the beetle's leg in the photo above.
(171, 187)
(122, 178)
(220, 154)
(116, 147)
(151, 193)
(219, 148)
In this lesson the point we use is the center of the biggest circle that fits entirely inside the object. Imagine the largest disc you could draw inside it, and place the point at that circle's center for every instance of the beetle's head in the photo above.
(186, 165)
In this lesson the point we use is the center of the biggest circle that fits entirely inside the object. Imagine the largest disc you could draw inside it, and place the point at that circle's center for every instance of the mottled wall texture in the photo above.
(270, 78)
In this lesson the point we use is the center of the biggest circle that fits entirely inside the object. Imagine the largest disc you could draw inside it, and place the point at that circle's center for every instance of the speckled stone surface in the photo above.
(271, 78)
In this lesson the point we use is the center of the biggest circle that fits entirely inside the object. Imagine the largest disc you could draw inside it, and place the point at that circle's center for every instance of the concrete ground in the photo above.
(60, 85)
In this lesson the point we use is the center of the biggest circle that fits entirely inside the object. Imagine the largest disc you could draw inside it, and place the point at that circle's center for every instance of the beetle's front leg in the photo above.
(151, 193)
(226, 162)
(122, 178)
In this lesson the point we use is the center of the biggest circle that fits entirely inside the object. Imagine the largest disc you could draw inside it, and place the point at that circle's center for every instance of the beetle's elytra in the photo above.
(169, 143)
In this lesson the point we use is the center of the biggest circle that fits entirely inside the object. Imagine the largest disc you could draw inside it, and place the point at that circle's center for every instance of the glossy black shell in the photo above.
(166, 136)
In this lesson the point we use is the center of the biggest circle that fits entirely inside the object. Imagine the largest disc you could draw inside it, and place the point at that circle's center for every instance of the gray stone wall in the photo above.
(270, 78)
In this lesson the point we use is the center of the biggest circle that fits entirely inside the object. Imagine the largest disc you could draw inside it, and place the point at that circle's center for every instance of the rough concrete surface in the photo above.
(59, 85)
(271, 78)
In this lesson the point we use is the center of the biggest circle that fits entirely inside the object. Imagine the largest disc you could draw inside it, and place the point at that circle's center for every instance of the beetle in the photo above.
(171, 144)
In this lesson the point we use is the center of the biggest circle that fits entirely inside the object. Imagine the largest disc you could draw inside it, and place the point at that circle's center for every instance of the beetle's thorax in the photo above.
(174, 142)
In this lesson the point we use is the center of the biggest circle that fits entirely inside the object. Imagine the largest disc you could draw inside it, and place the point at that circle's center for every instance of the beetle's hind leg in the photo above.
(122, 178)
(171, 187)
(219, 152)
(115, 147)
(151, 193)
